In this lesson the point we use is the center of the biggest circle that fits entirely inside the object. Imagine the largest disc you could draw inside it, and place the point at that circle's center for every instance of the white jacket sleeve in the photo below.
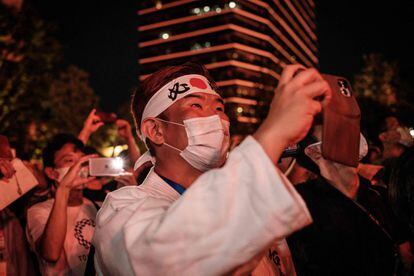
(227, 217)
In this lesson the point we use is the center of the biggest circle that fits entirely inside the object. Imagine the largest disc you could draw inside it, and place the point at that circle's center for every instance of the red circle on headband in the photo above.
(198, 83)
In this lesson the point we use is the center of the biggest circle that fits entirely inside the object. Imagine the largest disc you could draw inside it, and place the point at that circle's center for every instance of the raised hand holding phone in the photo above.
(72, 178)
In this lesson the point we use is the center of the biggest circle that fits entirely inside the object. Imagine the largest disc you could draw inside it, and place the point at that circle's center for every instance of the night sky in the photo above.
(101, 38)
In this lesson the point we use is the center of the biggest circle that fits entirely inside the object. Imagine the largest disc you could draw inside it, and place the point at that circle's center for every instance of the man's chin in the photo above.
(223, 160)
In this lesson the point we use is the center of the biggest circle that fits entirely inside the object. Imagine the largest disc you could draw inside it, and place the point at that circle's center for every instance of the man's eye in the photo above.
(196, 105)
(220, 109)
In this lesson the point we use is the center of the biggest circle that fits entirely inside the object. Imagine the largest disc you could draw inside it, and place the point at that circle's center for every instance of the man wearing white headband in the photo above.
(192, 215)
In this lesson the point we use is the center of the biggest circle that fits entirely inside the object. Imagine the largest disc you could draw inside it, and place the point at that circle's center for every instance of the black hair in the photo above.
(54, 145)
(91, 150)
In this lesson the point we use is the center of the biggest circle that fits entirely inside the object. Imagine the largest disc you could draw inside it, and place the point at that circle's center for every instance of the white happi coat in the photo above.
(225, 221)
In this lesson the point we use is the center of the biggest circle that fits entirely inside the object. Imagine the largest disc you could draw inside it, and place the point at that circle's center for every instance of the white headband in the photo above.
(174, 91)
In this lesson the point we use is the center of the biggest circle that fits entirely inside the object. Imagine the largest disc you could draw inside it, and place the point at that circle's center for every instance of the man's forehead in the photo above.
(204, 96)
(200, 96)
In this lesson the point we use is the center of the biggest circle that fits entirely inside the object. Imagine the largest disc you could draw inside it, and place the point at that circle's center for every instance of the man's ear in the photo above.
(152, 129)
(51, 173)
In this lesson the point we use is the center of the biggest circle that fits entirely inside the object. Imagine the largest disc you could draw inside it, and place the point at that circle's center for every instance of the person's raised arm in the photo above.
(125, 131)
(296, 102)
(50, 243)
(91, 124)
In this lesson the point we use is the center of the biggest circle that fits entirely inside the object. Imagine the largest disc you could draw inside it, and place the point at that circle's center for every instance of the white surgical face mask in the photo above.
(207, 143)
(62, 172)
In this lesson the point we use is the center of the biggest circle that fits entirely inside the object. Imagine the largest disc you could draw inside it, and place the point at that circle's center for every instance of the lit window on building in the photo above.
(158, 5)
(165, 35)
(219, 46)
(232, 5)
(196, 46)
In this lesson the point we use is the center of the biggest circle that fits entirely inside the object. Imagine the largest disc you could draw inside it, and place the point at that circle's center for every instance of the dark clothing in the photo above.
(401, 188)
(398, 229)
(343, 239)
(99, 195)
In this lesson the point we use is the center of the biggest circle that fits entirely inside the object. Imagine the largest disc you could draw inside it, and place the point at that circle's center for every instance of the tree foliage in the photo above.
(39, 96)
(381, 92)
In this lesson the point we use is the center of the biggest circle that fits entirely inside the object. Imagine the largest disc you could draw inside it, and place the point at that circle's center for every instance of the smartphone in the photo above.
(341, 123)
(107, 118)
(106, 166)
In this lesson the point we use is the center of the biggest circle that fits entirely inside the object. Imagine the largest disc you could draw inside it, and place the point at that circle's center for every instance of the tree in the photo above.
(380, 92)
(378, 80)
(39, 96)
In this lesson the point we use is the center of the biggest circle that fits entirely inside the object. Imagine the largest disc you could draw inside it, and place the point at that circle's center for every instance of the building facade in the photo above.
(244, 43)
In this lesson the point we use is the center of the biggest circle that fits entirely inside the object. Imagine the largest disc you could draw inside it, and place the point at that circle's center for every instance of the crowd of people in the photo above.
(48, 231)
(200, 202)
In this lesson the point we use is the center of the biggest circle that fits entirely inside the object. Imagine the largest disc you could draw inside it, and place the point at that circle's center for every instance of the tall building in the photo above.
(244, 44)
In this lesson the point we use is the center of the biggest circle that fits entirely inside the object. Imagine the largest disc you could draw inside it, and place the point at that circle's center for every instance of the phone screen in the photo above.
(106, 166)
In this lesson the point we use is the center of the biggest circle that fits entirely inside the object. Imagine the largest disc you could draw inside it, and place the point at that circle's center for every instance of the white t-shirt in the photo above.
(80, 228)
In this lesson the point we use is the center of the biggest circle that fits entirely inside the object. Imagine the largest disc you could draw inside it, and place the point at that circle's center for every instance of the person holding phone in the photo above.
(354, 232)
(60, 229)
(15, 256)
(199, 212)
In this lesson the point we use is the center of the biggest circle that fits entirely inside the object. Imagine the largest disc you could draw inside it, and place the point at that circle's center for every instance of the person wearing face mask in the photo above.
(354, 231)
(202, 210)
(60, 229)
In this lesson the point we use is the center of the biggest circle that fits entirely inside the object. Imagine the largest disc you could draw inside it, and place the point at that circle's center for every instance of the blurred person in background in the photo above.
(60, 229)
(129, 156)
(399, 163)
(354, 232)
(396, 138)
(15, 257)
(125, 132)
